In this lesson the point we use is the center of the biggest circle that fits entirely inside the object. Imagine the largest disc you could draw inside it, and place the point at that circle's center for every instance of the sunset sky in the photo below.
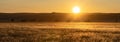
(64, 6)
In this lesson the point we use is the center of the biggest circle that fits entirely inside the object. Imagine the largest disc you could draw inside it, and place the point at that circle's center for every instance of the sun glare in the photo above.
(76, 10)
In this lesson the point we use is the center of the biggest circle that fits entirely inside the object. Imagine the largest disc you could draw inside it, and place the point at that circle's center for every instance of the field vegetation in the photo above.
(57, 35)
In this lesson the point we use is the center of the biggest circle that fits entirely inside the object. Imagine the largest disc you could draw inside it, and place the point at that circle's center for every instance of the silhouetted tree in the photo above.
(12, 20)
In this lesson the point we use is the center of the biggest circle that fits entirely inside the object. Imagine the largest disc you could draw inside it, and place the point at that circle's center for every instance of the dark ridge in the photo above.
(59, 17)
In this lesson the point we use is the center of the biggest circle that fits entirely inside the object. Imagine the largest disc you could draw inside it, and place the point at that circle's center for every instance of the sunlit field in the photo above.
(60, 32)
(59, 21)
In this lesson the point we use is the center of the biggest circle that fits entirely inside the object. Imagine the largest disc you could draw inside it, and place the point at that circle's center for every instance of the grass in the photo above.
(57, 35)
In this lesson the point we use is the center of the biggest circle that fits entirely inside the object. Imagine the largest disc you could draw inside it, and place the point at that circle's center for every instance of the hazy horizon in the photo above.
(60, 6)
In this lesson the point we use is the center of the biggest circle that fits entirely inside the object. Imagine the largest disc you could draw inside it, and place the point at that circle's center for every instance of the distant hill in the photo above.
(59, 17)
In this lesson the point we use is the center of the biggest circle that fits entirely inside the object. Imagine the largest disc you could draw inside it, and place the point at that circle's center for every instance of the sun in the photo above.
(76, 9)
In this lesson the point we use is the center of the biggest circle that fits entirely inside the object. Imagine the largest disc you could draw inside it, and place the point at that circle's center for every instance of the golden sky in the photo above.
(64, 6)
